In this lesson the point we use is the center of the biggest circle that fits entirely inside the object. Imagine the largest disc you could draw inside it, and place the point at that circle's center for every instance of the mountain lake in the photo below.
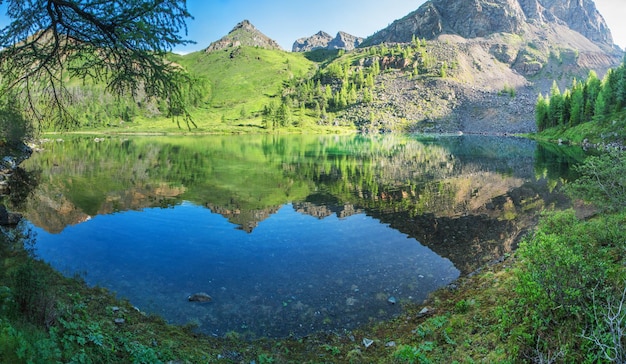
(288, 235)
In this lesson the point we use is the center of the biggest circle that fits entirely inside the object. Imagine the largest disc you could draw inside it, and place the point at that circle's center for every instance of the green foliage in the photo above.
(508, 90)
(26, 346)
(266, 359)
(463, 306)
(567, 269)
(602, 181)
(542, 116)
(584, 101)
(32, 295)
(14, 126)
(334, 350)
(556, 106)
(118, 44)
(414, 355)
(608, 329)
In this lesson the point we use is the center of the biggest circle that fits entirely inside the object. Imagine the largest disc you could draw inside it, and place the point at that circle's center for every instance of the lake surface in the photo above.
(287, 234)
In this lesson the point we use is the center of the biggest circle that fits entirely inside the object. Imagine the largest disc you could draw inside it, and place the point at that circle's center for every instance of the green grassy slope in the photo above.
(235, 85)
(243, 80)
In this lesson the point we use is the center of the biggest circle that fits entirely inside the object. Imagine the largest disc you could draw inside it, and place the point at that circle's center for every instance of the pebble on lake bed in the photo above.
(199, 297)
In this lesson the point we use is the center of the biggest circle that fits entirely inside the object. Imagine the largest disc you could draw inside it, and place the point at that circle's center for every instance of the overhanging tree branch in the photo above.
(120, 43)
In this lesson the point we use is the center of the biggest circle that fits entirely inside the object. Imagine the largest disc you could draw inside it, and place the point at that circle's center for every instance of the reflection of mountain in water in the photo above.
(323, 211)
(485, 232)
(462, 196)
(51, 209)
(246, 220)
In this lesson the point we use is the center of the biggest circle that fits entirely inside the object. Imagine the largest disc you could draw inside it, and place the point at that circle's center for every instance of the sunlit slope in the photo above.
(243, 80)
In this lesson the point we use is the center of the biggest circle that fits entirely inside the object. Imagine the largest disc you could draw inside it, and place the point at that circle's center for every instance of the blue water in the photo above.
(293, 274)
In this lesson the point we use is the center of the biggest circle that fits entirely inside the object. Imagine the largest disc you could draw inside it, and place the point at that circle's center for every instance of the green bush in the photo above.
(568, 270)
(564, 261)
(411, 354)
(32, 294)
(602, 181)
(26, 346)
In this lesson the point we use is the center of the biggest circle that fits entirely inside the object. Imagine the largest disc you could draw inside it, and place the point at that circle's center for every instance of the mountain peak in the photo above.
(323, 40)
(480, 18)
(244, 34)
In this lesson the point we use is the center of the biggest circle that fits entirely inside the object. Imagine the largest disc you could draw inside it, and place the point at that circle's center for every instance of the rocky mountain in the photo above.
(318, 40)
(323, 40)
(480, 18)
(244, 34)
(484, 50)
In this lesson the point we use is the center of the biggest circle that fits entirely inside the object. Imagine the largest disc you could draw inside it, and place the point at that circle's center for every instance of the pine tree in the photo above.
(591, 91)
(621, 85)
(283, 115)
(601, 105)
(576, 104)
(541, 113)
(606, 100)
(555, 110)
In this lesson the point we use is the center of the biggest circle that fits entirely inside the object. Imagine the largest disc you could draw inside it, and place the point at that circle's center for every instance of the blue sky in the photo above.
(287, 20)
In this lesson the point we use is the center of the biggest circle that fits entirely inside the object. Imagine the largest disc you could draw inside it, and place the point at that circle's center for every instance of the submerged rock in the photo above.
(199, 297)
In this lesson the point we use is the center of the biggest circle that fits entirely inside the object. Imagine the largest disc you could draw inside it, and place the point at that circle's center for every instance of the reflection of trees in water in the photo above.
(251, 176)
(21, 185)
(486, 234)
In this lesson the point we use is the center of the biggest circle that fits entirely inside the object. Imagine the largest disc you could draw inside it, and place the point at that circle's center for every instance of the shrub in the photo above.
(602, 181)
(32, 294)
(411, 354)
(608, 329)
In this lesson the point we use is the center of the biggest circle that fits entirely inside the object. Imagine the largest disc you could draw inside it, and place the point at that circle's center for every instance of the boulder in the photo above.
(199, 297)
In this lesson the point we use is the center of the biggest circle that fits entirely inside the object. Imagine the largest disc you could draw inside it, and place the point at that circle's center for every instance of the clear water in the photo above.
(288, 235)
(293, 274)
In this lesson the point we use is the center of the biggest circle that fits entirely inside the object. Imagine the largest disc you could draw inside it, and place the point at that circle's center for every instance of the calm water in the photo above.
(289, 234)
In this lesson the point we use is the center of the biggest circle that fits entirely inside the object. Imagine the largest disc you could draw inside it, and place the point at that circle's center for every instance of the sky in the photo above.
(287, 20)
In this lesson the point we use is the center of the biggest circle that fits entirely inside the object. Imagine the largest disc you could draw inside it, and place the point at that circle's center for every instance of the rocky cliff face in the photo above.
(579, 15)
(493, 45)
(323, 40)
(244, 34)
(480, 18)
(345, 41)
(318, 40)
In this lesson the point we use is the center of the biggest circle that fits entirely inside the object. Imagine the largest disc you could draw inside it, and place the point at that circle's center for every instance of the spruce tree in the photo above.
(541, 113)
(555, 110)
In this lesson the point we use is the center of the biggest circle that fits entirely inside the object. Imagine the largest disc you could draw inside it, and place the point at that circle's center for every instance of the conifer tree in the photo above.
(576, 104)
(606, 99)
(621, 85)
(591, 91)
(541, 113)
(555, 110)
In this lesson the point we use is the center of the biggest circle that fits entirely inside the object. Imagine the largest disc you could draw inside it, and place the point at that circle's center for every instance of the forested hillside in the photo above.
(591, 109)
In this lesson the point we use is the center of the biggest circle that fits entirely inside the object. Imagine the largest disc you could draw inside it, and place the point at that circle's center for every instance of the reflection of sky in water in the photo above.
(292, 274)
